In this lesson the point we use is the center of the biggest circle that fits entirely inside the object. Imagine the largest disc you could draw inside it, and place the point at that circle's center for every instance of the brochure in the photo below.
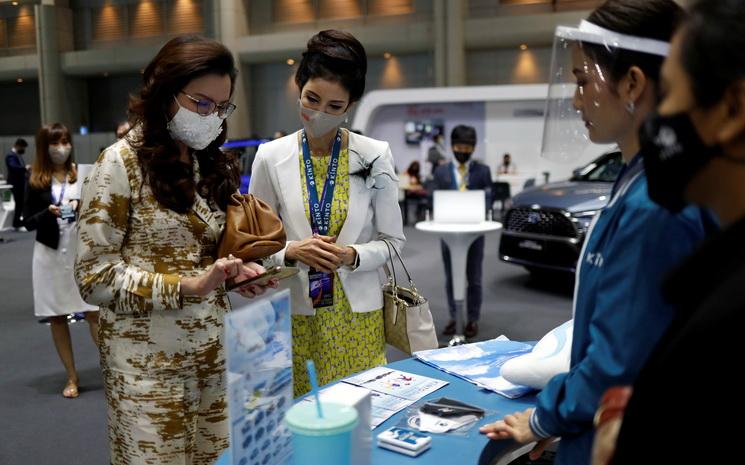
(258, 346)
(479, 363)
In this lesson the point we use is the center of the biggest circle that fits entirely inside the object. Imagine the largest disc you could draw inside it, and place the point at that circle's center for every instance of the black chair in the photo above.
(500, 191)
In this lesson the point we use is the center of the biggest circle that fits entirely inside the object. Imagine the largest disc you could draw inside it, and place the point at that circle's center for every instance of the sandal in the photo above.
(70, 391)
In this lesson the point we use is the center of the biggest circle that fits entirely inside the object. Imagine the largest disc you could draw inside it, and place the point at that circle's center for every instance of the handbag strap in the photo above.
(388, 271)
(393, 265)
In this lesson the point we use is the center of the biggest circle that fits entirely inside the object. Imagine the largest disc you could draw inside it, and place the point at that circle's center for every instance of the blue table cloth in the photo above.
(446, 449)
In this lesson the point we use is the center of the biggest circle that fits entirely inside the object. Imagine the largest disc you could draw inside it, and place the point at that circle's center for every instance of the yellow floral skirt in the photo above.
(339, 342)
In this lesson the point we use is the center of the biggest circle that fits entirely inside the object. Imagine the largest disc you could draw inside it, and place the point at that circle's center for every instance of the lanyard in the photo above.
(320, 211)
(61, 197)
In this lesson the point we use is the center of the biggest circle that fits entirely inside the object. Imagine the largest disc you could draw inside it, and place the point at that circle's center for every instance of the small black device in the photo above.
(278, 272)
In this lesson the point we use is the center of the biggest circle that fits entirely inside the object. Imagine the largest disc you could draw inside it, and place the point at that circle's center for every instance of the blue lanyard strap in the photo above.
(320, 211)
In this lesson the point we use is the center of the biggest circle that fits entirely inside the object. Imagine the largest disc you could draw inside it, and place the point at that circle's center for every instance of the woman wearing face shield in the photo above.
(50, 209)
(694, 151)
(619, 310)
(152, 216)
(337, 193)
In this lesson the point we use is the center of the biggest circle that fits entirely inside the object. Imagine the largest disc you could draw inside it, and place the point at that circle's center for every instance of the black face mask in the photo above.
(673, 154)
(462, 157)
(21, 151)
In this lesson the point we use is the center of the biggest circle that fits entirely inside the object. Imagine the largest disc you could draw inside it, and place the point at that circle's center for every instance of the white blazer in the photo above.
(373, 215)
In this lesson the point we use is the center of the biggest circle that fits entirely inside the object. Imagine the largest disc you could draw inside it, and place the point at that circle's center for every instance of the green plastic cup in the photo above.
(326, 440)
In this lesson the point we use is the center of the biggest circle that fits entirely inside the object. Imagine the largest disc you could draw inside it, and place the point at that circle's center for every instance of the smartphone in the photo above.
(278, 272)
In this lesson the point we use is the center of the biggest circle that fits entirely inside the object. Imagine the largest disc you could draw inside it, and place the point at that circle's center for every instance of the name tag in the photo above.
(321, 289)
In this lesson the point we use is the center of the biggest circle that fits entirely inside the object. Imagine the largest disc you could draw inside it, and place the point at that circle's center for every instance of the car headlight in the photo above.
(582, 220)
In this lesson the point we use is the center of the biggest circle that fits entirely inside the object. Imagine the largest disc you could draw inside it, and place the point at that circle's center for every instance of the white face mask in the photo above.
(318, 123)
(59, 153)
(193, 129)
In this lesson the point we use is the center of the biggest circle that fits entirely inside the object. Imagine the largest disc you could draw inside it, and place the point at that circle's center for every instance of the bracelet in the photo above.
(612, 405)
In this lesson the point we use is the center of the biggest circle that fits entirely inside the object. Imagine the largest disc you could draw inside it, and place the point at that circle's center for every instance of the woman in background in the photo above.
(51, 209)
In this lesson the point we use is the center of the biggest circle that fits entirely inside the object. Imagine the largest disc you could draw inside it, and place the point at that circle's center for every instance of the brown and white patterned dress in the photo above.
(162, 357)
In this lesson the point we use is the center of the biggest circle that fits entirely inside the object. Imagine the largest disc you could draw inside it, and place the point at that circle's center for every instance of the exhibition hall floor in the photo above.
(39, 426)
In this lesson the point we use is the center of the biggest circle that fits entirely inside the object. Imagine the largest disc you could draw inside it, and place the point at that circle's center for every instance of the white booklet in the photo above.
(393, 390)
(396, 383)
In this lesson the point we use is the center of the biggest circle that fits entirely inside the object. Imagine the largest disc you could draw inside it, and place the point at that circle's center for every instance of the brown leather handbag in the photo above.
(253, 230)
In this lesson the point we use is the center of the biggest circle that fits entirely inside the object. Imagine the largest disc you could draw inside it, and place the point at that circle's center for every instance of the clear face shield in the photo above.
(585, 116)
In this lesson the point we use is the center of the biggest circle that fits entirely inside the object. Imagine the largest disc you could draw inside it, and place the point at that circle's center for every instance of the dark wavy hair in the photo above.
(335, 56)
(181, 60)
(41, 173)
(651, 19)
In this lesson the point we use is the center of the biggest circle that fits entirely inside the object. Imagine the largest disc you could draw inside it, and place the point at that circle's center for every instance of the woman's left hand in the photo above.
(515, 426)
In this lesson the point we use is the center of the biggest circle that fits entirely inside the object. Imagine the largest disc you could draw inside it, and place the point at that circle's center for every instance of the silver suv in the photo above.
(545, 227)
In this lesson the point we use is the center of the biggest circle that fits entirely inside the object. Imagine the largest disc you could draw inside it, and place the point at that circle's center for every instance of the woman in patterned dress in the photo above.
(335, 234)
(152, 216)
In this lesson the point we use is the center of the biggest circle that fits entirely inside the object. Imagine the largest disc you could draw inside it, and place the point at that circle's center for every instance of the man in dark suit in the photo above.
(464, 174)
(17, 169)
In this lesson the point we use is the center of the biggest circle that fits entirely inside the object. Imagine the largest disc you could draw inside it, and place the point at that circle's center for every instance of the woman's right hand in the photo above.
(318, 252)
(221, 270)
(54, 210)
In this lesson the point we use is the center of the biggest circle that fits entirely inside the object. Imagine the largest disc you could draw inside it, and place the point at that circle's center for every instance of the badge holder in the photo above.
(443, 416)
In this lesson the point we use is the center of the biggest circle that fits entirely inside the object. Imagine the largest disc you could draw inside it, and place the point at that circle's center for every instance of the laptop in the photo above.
(459, 207)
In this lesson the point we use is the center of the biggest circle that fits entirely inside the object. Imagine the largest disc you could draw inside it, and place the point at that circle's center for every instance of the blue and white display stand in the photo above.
(258, 346)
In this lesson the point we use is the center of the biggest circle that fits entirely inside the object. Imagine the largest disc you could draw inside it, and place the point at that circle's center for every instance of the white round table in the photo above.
(458, 238)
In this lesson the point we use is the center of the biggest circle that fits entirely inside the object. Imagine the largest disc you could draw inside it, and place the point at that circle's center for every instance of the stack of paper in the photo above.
(393, 390)
(480, 363)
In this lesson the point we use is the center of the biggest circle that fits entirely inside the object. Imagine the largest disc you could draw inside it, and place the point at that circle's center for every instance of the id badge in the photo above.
(321, 289)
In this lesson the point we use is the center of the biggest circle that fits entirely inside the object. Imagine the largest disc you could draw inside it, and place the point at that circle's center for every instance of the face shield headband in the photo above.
(576, 109)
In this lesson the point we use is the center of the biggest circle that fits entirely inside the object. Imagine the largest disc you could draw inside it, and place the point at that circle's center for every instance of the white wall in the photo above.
(388, 125)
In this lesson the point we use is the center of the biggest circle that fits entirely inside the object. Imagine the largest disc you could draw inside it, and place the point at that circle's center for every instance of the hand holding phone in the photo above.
(277, 273)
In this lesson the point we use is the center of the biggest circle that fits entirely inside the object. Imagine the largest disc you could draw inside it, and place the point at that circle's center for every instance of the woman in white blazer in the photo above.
(335, 235)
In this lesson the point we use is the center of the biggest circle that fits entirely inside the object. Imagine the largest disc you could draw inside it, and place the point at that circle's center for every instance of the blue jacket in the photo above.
(619, 310)
(16, 169)
(479, 178)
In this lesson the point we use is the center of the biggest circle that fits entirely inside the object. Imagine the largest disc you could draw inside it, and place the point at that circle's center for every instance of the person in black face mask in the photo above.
(465, 174)
(694, 152)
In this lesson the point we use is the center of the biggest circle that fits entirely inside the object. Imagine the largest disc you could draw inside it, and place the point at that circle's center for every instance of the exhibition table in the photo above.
(451, 449)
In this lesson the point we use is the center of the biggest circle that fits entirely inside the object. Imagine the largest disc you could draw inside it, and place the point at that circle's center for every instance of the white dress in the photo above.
(55, 290)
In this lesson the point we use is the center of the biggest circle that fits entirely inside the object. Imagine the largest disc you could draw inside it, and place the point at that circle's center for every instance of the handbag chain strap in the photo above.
(393, 266)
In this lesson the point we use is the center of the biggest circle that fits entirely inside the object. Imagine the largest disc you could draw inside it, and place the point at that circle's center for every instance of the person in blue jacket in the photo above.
(17, 171)
(619, 310)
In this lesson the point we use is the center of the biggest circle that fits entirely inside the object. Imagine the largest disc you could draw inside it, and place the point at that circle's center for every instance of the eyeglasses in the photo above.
(206, 106)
